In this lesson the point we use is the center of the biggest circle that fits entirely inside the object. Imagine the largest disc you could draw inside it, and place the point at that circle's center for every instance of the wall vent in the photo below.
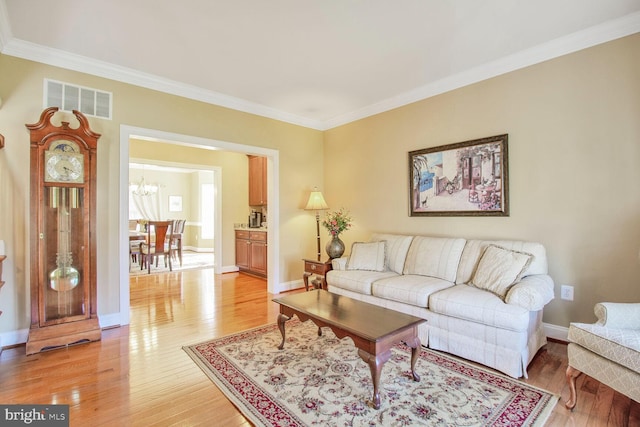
(69, 97)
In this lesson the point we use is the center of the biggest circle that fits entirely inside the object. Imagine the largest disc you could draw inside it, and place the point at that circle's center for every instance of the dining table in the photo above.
(137, 235)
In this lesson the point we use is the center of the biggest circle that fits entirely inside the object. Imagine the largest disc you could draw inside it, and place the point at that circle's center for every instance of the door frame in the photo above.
(126, 133)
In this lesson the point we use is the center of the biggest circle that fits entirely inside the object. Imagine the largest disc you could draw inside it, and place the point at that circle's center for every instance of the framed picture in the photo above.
(175, 203)
(468, 178)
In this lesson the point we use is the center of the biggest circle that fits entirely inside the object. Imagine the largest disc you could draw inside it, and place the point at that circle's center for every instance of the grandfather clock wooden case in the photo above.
(63, 238)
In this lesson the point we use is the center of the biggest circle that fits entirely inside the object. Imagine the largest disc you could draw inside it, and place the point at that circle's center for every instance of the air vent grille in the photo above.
(69, 97)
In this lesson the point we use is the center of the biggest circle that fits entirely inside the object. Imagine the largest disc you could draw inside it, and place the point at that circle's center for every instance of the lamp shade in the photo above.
(316, 202)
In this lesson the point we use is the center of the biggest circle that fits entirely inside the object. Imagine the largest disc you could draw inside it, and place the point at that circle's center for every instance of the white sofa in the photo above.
(482, 299)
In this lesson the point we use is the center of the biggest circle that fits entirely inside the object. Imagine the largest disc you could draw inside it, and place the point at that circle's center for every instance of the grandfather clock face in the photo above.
(63, 162)
(63, 240)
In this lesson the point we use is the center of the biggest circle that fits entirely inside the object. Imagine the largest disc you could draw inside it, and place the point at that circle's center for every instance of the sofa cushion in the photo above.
(409, 289)
(474, 249)
(356, 280)
(618, 345)
(499, 269)
(434, 257)
(397, 247)
(367, 256)
(477, 305)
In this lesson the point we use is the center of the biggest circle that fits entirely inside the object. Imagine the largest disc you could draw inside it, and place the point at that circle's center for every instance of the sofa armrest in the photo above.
(339, 263)
(618, 315)
(532, 292)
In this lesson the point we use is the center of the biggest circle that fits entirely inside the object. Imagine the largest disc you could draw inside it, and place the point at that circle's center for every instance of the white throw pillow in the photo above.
(397, 247)
(499, 269)
(367, 256)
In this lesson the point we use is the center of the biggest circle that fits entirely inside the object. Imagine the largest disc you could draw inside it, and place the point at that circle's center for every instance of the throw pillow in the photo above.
(367, 256)
(499, 269)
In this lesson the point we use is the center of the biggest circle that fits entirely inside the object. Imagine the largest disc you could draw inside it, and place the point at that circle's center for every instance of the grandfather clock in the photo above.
(63, 238)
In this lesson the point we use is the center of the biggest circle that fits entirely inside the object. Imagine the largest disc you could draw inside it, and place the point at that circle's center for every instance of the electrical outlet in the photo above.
(566, 292)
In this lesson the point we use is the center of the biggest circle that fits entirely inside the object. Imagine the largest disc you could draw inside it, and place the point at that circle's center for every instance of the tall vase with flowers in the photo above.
(336, 222)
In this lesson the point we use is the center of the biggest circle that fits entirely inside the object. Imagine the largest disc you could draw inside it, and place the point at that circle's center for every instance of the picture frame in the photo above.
(469, 178)
(175, 203)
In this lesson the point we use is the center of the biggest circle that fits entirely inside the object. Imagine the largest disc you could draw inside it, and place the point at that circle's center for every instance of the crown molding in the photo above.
(59, 58)
(608, 31)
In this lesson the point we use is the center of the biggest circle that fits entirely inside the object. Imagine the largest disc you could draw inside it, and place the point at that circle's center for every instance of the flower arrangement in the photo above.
(337, 222)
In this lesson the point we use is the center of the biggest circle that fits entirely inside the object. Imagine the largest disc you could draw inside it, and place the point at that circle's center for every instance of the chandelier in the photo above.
(142, 189)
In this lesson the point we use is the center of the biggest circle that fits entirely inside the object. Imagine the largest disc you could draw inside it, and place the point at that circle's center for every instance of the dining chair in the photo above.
(159, 237)
(134, 243)
(134, 252)
(176, 240)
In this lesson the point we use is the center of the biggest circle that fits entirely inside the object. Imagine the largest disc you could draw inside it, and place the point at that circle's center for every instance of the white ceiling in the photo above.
(316, 63)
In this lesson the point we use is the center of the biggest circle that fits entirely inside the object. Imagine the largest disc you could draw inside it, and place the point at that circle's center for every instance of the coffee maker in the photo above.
(255, 219)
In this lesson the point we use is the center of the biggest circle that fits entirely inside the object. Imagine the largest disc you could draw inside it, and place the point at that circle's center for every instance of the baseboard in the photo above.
(196, 249)
(109, 320)
(20, 336)
(556, 332)
(230, 269)
(290, 286)
(12, 338)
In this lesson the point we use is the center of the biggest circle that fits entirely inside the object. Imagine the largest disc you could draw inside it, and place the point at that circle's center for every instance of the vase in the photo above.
(335, 247)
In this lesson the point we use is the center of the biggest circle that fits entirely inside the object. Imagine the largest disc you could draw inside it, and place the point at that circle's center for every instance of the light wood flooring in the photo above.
(139, 375)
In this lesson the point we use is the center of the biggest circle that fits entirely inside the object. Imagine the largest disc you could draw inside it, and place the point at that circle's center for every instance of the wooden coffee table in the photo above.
(374, 330)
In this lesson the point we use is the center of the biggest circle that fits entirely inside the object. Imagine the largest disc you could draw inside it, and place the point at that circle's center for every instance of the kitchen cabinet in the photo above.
(251, 252)
(257, 181)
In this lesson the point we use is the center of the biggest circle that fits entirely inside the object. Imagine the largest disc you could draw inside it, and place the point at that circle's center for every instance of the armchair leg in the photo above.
(572, 374)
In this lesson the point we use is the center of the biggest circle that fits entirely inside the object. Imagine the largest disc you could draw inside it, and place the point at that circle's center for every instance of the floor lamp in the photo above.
(316, 203)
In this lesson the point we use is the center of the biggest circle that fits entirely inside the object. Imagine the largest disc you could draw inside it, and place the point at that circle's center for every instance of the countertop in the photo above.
(250, 228)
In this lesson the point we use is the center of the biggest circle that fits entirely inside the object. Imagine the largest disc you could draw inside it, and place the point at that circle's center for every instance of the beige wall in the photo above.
(574, 149)
(573, 153)
(235, 186)
(21, 89)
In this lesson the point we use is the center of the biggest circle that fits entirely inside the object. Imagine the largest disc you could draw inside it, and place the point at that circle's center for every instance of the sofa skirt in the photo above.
(505, 350)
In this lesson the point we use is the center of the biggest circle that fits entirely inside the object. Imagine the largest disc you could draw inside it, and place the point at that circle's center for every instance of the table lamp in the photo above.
(316, 203)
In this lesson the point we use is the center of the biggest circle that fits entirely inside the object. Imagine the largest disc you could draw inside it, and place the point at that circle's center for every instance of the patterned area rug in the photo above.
(190, 260)
(322, 381)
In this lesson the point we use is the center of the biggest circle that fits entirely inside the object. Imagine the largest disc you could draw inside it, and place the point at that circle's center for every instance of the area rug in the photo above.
(190, 260)
(321, 381)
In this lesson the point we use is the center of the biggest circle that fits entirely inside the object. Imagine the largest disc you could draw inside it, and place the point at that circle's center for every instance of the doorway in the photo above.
(128, 132)
(167, 190)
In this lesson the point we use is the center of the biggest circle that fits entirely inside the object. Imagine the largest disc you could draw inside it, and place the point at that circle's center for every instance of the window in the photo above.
(207, 192)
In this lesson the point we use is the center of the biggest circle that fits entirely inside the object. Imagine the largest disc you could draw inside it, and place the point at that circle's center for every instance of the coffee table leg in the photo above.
(415, 352)
(375, 366)
(281, 319)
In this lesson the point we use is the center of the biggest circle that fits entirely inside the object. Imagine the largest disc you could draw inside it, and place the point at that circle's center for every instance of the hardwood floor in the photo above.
(139, 374)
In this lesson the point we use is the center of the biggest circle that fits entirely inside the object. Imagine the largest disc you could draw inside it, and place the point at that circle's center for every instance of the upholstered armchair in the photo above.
(608, 350)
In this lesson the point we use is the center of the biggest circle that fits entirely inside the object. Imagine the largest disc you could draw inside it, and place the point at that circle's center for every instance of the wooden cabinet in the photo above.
(251, 252)
(257, 181)
(243, 246)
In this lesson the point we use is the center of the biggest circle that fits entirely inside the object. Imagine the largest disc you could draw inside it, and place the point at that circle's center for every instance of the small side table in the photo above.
(318, 268)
